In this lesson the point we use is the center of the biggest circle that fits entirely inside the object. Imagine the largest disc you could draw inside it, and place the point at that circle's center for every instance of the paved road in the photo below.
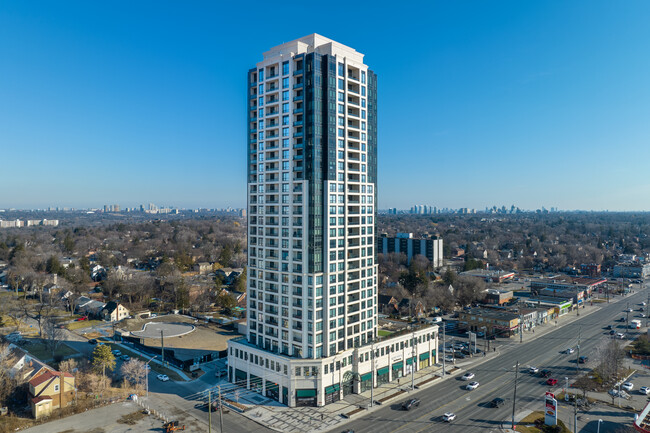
(497, 379)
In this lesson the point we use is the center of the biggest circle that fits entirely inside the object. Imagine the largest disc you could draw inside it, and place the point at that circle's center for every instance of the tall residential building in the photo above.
(312, 272)
(429, 246)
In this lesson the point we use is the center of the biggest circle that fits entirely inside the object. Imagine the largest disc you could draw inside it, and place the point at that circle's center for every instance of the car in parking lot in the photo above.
(551, 381)
(409, 404)
(612, 332)
(628, 386)
(116, 353)
(644, 390)
(545, 373)
(569, 351)
(608, 327)
(472, 386)
(163, 377)
(613, 392)
(81, 319)
(467, 376)
(92, 341)
(497, 402)
(620, 335)
(583, 359)
(449, 358)
(221, 373)
(449, 417)
(125, 357)
(533, 370)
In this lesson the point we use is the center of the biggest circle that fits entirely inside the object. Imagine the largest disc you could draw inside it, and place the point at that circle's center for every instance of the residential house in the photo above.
(202, 268)
(88, 307)
(114, 312)
(387, 304)
(50, 390)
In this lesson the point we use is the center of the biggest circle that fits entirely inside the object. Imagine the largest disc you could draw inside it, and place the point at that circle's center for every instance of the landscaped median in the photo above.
(173, 375)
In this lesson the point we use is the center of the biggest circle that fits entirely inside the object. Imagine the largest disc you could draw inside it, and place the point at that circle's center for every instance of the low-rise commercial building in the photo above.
(315, 382)
(631, 270)
(492, 321)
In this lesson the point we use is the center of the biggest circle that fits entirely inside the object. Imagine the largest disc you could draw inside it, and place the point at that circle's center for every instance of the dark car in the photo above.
(492, 337)
(583, 359)
(612, 332)
(497, 402)
(609, 327)
(545, 373)
(407, 405)
(92, 341)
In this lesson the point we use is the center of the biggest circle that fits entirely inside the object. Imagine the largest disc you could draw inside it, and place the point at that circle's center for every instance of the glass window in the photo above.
(285, 68)
(363, 77)
(363, 91)
(285, 95)
(260, 101)
(341, 83)
(260, 112)
(285, 142)
(285, 132)
(341, 144)
(261, 74)
(341, 121)
(285, 107)
(341, 69)
(341, 132)
(341, 97)
(261, 89)
(285, 121)
(363, 103)
(285, 83)
(341, 109)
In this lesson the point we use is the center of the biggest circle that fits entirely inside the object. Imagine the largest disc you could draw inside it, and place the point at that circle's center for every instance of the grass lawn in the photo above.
(42, 352)
(527, 425)
(383, 333)
(83, 324)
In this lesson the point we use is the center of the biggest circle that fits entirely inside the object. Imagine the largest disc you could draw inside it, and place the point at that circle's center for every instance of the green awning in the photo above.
(271, 385)
(424, 356)
(367, 376)
(433, 353)
(332, 389)
(382, 371)
(409, 361)
(398, 365)
(305, 393)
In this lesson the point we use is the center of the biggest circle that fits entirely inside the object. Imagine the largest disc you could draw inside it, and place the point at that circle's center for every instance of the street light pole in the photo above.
(514, 397)
(600, 421)
(147, 374)
(444, 355)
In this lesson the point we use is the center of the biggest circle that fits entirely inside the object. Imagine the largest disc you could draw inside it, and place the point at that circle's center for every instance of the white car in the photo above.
(472, 386)
(628, 386)
(449, 358)
(620, 335)
(449, 417)
(533, 370)
(613, 392)
(163, 377)
(642, 303)
(467, 376)
(644, 390)
(117, 353)
(570, 350)
(629, 310)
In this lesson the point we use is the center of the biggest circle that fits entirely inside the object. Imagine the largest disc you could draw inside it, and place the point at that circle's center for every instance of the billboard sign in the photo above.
(550, 409)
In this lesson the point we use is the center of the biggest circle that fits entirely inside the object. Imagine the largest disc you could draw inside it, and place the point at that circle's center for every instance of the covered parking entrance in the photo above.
(273, 390)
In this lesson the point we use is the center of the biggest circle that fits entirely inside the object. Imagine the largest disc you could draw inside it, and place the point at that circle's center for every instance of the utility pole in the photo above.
(220, 411)
(645, 311)
(209, 411)
(627, 318)
(521, 328)
(575, 397)
(162, 347)
(444, 369)
(372, 379)
(413, 360)
(514, 397)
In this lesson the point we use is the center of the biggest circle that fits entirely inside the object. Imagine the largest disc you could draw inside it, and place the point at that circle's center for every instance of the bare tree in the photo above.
(134, 372)
(52, 334)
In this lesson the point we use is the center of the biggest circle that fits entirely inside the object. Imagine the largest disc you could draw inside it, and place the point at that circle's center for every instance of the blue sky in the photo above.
(503, 102)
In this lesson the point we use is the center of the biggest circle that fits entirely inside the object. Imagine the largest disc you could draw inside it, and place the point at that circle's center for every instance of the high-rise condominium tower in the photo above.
(312, 172)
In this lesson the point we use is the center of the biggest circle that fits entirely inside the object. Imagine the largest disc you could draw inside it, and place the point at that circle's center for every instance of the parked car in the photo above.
(449, 417)
(533, 370)
(467, 376)
(497, 402)
(221, 373)
(628, 386)
(125, 357)
(569, 351)
(608, 327)
(620, 335)
(449, 358)
(612, 332)
(81, 319)
(92, 341)
(545, 373)
(116, 353)
(163, 377)
(472, 386)
(551, 381)
(583, 359)
(644, 390)
(613, 392)
(407, 405)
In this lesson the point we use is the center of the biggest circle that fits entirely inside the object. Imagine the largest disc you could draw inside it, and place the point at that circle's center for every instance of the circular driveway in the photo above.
(153, 330)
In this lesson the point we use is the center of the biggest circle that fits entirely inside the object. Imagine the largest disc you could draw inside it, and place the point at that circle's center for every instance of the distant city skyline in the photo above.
(540, 104)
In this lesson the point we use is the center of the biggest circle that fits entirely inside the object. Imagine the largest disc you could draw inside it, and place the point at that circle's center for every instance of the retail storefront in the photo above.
(398, 370)
(240, 378)
(256, 383)
(366, 382)
(424, 360)
(305, 397)
(383, 375)
(348, 387)
(332, 393)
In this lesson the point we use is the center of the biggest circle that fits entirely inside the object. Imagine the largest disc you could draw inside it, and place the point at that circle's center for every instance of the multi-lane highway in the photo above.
(497, 377)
